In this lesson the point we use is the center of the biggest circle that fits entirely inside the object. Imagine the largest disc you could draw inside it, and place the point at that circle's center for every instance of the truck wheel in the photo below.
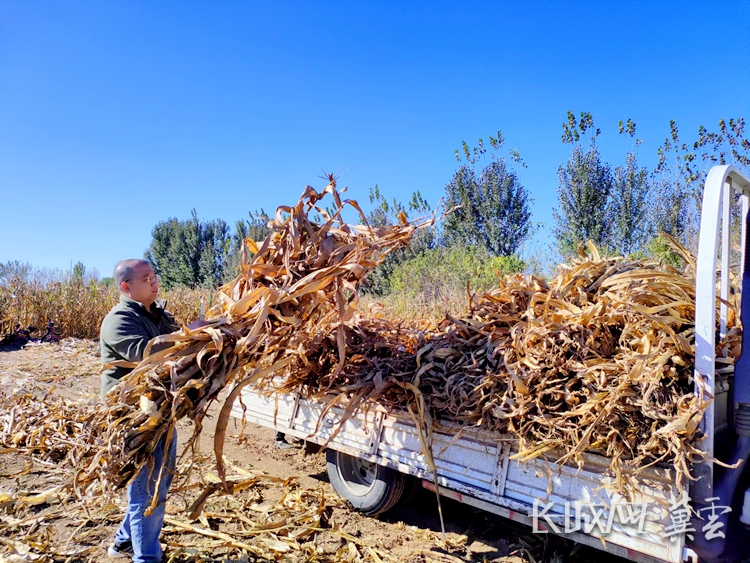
(370, 488)
(412, 486)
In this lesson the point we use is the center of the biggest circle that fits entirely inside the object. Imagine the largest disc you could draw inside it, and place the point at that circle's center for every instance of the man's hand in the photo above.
(197, 324)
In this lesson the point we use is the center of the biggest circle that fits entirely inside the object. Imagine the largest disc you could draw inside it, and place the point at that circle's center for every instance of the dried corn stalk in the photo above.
(599, 359)
(49, 427)
(296, 294)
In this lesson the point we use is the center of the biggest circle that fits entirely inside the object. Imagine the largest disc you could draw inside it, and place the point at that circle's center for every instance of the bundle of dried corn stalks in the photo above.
(294, 296)
(599, 359)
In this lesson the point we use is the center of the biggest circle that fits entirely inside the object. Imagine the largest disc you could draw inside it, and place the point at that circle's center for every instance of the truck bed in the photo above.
(476, 467)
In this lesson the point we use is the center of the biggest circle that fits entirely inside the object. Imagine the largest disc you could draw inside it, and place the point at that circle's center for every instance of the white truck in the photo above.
(376, 457)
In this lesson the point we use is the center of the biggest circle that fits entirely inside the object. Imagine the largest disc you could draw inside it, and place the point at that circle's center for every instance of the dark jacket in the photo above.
(126, 330)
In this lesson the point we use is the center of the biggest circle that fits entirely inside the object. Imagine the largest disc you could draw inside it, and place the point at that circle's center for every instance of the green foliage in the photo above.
(79, 270)
(474, 154)
(681, 172)
(256, 227)
(727, 145)
(630, 228)
(658, 248)
(215, 244)
(621, 211)
(627, 127)
(441, 272)
(584, 189)
(574, 130)
(613, 209)
(674, 209)
(108, 282)
(385, 214)
(490, 209)
(189, 253)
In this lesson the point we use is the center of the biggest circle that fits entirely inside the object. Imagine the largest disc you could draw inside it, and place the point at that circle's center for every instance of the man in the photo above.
(125, 332)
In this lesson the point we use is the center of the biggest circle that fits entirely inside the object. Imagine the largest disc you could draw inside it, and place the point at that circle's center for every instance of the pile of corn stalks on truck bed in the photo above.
(598, 359)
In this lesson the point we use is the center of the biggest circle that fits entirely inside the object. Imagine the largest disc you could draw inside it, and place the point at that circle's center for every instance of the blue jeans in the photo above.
(143, 531)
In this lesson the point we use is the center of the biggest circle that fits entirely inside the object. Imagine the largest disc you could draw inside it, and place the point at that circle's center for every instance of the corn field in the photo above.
(77, 307)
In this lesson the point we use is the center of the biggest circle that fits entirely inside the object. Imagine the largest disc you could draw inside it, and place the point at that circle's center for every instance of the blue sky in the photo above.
(116, 115)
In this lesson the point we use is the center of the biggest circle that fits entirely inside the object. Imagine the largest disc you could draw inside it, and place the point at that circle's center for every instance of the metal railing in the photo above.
(715, 227)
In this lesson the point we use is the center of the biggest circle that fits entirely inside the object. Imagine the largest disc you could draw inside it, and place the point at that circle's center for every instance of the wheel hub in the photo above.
(358, 474)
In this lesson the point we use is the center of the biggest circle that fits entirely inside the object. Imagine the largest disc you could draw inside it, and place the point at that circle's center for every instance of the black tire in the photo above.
(412, 486)
(370, 488)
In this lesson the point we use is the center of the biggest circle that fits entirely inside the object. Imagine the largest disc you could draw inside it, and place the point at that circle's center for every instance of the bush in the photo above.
(435, 282)
(659, 249)
(378, 283)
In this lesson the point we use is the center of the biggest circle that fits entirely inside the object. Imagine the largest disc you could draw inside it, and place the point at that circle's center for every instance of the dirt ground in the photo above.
(408, 533)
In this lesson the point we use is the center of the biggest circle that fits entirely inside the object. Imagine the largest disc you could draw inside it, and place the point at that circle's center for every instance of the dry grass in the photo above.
(417, 309)
(77, 308)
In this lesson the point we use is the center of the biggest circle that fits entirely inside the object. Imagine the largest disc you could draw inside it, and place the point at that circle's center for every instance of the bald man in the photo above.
(126, 330)
(135, 320)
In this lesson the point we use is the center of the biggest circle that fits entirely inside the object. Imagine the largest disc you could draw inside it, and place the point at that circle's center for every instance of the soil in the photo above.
(409, 533)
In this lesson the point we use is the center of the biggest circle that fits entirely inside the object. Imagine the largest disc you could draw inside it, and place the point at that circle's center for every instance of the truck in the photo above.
(376, 457)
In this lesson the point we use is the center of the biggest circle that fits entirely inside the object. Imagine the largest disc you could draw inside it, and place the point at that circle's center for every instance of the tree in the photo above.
(673, 209)
(215, 246)
(680, 174)
(385, 214)
(79, 270)
(441, 274)
(630, 229)
(584, 190)
(490, 209)
(726, 146)
(175, 251)
(189, 253)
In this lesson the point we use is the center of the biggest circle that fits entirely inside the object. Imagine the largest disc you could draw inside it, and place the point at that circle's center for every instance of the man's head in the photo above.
(136, 280)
